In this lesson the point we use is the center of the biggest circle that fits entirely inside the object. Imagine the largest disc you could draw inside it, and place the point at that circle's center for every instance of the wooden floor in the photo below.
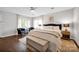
(18, 44)
(12, 44)
(69, 46)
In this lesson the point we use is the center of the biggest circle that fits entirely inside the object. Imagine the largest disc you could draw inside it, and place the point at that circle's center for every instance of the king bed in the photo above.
(46, 39)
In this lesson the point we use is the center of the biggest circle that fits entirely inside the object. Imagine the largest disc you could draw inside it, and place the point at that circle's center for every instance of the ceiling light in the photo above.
(52, 7)
(32, 9)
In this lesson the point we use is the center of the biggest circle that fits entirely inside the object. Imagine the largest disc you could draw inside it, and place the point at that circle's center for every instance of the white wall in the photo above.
(1, 23)
(8, 24)
(31, 22)
(59, 17)
(63, 17)
(76, 24)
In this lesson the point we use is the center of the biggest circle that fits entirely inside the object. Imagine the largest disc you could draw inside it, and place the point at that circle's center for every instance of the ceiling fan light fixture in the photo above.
(32, 10)
(52, 7)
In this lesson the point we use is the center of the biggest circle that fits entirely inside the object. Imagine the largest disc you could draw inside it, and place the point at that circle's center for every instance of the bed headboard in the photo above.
(60, 26)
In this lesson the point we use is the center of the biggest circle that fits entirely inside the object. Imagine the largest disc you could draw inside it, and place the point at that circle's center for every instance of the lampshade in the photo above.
(66, 25)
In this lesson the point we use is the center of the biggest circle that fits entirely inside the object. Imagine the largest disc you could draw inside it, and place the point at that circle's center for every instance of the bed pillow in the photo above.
(48, 27)
(51, 27)
(56, 28)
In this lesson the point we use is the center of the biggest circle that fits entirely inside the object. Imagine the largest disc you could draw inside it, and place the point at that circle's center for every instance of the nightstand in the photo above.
(66, 35)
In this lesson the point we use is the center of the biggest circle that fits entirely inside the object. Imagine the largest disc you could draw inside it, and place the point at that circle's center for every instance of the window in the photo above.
(38, 22)
(23, 22)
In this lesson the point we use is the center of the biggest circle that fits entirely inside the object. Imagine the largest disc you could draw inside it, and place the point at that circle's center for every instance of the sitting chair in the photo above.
(31, 28)
(21, 31)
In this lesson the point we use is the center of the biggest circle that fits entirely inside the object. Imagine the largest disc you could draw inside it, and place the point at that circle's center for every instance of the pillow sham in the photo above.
(56, 28)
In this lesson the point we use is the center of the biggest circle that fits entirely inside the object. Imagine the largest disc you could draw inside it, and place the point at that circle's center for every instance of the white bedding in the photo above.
(53, 36)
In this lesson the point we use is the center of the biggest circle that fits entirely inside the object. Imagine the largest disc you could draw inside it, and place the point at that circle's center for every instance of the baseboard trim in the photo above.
(9, 36)
(75, 43)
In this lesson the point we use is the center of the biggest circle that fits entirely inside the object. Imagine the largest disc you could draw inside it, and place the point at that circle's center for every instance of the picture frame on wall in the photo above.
(51, 19)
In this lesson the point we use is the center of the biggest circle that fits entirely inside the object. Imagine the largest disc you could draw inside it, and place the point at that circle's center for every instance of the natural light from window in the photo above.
(23, 22)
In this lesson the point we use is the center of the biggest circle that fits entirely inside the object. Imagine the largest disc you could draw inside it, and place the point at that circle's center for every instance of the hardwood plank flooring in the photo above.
(12, 44)
(69, 46)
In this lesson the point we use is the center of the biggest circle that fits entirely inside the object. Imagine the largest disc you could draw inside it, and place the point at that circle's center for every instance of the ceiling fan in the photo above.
(32, 9)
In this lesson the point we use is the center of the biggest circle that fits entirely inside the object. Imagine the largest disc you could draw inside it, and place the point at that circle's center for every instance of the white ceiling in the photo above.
(38, 11)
